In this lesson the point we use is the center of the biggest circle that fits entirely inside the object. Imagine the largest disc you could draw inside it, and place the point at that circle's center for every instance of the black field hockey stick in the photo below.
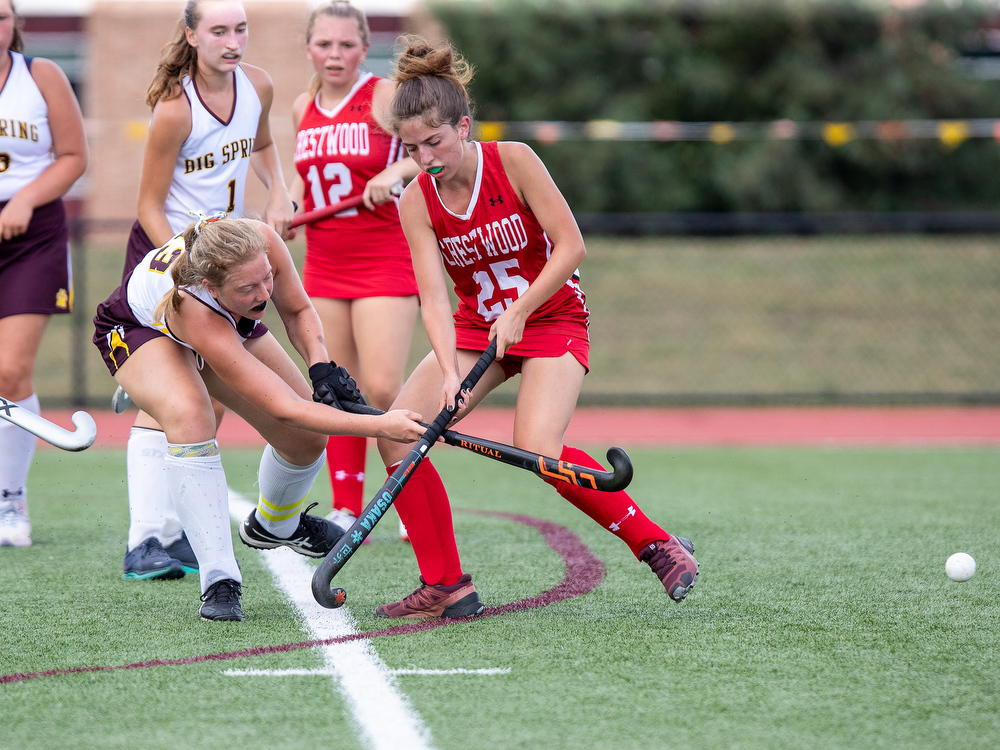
(83, 437)
(384, 498)
(543, 466)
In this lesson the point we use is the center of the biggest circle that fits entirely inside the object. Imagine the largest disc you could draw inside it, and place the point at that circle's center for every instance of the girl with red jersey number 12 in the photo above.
(492, 214)
(357, 269)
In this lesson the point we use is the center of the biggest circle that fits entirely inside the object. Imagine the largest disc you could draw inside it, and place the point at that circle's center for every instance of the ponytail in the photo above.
(431, 84)
(177, 59)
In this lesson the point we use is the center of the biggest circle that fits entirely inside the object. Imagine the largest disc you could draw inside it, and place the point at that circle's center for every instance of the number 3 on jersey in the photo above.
(498, 277)
(338, 177)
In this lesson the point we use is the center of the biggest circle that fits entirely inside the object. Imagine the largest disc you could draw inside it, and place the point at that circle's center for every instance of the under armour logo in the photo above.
(342, 476)
(498, 199)
(623, 519)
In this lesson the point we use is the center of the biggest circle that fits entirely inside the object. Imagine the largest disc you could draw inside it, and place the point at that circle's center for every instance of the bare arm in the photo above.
(305, 331)
(214, 338)
(265, 160)
(435, 304)
(69, 145)
(169, 128)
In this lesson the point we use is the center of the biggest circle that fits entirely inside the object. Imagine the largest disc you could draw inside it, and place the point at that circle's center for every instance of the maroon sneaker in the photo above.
(458, 600)
(674, 564)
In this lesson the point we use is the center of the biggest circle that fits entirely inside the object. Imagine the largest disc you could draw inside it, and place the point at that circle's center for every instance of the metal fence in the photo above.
(764, 312)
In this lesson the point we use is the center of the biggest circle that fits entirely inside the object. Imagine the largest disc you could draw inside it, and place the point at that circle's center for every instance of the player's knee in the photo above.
(381, 394)
(15, 378)
(303, 449)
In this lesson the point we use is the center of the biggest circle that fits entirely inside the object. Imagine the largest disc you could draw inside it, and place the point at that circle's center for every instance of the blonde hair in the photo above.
(17, 43)
(211, 252)
(177, 58)
(336, 9)
(431, 82)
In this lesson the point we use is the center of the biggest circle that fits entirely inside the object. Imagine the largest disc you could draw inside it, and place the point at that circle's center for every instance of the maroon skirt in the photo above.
(35, 272)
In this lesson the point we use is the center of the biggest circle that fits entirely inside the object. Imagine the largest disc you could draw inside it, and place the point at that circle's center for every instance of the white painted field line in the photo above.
(385, 719)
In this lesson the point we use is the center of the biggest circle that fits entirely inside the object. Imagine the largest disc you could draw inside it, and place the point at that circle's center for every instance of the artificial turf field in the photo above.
(822, 616)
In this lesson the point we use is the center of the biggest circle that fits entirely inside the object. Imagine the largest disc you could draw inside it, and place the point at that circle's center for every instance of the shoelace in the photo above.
(9, 514)
(225, 592)
(313, 524)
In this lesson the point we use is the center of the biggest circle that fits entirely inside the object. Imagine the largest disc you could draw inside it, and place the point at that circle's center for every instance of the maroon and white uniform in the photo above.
(126, 320)
(211, 170)
(35, 272)
(356, 253)
(493, 252)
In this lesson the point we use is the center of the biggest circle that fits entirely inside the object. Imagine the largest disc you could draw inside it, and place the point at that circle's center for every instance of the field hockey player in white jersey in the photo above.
(43, 151)
(184, 328)
(210, 124)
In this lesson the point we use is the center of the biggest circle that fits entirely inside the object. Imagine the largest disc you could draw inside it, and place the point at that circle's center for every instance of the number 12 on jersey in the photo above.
(338, 176)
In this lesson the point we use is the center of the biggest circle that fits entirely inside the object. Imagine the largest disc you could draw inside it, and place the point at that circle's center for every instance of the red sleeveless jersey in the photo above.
(497, 249)
(356, 253)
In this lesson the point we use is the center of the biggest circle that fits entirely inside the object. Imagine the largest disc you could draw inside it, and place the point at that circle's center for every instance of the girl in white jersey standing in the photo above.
(209, 126)
(41, 156)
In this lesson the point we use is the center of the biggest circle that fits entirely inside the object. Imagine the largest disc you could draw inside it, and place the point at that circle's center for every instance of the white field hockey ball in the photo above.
(960, 567)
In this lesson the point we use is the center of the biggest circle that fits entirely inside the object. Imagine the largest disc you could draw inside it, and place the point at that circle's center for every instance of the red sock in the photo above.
(615, 511)
(425, 511)
(345, 458)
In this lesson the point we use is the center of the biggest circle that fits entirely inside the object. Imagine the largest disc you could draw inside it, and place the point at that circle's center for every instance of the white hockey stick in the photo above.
(86, 429)
(120, 401)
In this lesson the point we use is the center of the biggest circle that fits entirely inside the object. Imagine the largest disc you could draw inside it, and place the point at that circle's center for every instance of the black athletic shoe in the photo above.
(314, 537)
(181, 551)
(222, 601)
(149, 560)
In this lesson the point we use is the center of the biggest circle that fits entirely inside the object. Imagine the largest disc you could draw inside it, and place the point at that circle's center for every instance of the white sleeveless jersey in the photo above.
(151, 279)
(25, 138)
(211, 170)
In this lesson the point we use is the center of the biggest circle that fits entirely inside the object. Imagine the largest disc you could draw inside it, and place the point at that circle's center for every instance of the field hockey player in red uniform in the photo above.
(490, 214)
(357, 267)
(184, 328)
(43, 151)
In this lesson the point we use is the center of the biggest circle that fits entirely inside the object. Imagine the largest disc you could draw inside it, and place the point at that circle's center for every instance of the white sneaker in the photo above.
(15, 526)
(343, 518)
(403, 536)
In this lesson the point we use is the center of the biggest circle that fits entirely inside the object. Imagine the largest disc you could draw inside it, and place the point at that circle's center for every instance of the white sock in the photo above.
(198, 487)
(17, 447)
(148, 494)
(283, 489)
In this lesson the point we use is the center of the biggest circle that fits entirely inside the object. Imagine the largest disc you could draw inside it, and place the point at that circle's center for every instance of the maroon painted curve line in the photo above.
(584, 573)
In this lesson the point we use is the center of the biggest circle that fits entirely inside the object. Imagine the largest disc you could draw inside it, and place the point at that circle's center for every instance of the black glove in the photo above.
(334, 386)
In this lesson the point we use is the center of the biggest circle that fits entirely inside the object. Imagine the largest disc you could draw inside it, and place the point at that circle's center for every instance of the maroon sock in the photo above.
(424, 509)
(615, 511)
(345, 459)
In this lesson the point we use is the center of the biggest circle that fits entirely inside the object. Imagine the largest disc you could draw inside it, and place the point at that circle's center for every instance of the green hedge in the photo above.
(738, 61)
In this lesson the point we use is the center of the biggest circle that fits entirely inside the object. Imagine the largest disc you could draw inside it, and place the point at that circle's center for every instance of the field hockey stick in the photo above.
(326, 212)
(543, 466)
(120, 401)
(384, 498)
(83, 437)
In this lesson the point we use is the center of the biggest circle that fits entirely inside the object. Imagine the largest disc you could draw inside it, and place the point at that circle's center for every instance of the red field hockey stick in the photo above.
(318, 214)
(373, 512)
(543, 466)
(326, 212)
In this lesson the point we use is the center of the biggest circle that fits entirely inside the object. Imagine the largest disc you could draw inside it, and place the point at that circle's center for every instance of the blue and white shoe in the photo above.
(149, 560)
(181, 551)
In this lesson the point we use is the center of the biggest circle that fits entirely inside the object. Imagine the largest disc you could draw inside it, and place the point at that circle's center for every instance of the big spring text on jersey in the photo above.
(240, 149)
